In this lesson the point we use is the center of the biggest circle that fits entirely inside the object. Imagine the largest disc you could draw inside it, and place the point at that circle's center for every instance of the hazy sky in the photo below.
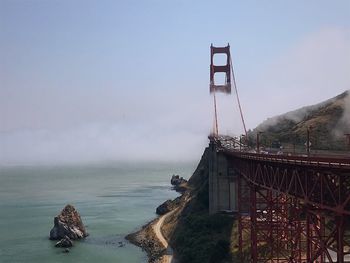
(129, 80)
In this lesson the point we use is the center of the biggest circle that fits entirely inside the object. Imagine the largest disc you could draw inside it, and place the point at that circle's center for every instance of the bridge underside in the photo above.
(288, 210)
(281, 228)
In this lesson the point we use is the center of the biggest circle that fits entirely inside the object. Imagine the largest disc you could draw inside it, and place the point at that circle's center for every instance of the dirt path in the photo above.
(168, 257)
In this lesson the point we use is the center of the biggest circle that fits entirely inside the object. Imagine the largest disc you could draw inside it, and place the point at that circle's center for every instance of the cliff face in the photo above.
(195, 235)
(328, 120)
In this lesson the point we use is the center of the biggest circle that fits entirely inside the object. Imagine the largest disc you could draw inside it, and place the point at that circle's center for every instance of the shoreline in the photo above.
(168, 256)
(146, 239)
(150, 237)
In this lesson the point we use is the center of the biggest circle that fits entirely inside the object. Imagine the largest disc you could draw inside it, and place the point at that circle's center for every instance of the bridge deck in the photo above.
(319, 161)
(233, 146)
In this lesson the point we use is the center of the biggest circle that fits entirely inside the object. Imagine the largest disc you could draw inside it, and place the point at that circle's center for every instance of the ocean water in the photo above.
(112, 199)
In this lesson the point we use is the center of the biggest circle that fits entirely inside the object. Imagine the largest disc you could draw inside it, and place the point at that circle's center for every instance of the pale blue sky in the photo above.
(78, 75)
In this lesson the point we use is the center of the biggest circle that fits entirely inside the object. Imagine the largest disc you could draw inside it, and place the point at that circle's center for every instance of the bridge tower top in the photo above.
(223, 87)
(226, 87)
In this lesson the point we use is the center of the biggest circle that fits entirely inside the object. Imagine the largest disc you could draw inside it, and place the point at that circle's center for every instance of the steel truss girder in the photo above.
(296, 214)
(327, 189)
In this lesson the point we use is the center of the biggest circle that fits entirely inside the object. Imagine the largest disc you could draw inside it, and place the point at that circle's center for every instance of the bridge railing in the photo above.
(233, 146)
(323, 161)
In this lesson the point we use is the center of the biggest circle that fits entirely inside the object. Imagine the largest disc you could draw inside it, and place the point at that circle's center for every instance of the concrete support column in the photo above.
(222, 182)
(213, 179)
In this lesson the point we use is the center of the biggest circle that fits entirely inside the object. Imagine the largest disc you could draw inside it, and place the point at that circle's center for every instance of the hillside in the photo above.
(328, 120)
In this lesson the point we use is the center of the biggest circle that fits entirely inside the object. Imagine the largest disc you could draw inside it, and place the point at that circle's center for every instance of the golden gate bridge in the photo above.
(290, 208)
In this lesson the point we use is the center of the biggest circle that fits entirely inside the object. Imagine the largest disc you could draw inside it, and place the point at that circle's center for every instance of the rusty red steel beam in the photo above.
(314, 189)
(324, 183)
(294, 231)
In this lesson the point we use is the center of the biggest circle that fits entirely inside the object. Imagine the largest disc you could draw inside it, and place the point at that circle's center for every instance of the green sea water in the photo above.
(112, 199)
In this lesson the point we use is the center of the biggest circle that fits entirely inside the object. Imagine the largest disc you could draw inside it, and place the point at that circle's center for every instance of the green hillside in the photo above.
(328, 122)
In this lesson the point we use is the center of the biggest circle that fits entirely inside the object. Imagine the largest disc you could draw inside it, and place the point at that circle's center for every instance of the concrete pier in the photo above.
(222, 183)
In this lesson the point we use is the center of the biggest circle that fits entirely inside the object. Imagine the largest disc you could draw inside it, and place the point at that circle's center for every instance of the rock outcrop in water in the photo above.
(68, 224)
(179, 183)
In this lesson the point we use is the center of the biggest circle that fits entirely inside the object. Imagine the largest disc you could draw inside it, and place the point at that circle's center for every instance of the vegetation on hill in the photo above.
(328, 122)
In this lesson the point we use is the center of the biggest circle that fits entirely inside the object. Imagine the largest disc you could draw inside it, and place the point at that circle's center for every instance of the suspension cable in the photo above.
(216, 129)
(239, 103)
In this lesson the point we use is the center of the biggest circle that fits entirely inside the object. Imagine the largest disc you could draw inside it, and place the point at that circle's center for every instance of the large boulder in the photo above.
(68, 223)
(177, 180)
(179, 183)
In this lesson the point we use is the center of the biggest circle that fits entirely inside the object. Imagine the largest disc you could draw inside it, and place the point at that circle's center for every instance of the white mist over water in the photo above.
(99, 142)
